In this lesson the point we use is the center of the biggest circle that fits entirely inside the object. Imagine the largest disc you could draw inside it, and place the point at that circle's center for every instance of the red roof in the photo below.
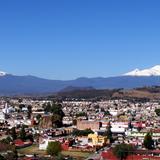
(110, 156)
(18, 142)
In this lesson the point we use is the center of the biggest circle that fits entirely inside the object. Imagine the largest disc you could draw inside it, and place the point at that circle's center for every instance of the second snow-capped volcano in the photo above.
(154, 71)
(2, 73)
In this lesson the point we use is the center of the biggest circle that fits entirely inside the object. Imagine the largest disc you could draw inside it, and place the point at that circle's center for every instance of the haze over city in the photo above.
(71, 39)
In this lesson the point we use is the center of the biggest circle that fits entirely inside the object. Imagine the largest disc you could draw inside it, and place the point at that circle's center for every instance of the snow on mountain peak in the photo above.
(2, 73)
(157, 67)
(154, 71)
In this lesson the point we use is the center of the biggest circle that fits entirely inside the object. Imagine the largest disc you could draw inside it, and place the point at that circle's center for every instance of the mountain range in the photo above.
(16, 85)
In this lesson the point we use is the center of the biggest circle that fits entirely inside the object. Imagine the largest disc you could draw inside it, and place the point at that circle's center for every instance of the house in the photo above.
(67, 121)
(97, 140)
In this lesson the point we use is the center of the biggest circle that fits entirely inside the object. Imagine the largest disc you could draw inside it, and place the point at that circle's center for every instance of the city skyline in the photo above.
(67, 40)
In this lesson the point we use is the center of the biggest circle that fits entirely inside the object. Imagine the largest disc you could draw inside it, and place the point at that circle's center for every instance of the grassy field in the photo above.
(76, 154)
(34, 150)
(31, 150)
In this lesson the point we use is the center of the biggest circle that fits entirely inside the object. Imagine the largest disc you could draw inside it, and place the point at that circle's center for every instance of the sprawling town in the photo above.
(79, 79)
(37, 129)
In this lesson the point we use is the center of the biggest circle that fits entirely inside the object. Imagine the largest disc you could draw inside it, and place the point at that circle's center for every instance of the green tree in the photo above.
(81, 114)
(139, 128)
(57, 109)
(96, 107)
(47, 107)
(7, 147)
(108, 133)
(74, 122)
(58, 114)
(29, 113)
(123, 150)
(130, 126)
(148, 141)
(22, 133)
(2, 158)
(15, 154)
(21, 106)
(29, 108)
(56, 120)
(107, 113)
(157, 111)
(10, 156)
(6, 140)
(38, 117)
(54, 148)
(86, 132)
(13, 133)
(20, 100)
(30, 137)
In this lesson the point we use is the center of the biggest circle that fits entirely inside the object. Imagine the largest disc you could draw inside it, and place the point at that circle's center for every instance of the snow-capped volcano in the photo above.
(2, 73)
(154, 71)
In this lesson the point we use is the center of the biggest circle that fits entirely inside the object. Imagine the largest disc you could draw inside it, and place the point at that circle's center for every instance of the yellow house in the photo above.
(97, 140)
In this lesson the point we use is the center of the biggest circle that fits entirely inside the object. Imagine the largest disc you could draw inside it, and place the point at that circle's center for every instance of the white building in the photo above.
(2, 117)
(44, 143)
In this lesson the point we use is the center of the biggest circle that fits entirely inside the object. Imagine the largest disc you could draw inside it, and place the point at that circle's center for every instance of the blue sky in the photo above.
(66, 39)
